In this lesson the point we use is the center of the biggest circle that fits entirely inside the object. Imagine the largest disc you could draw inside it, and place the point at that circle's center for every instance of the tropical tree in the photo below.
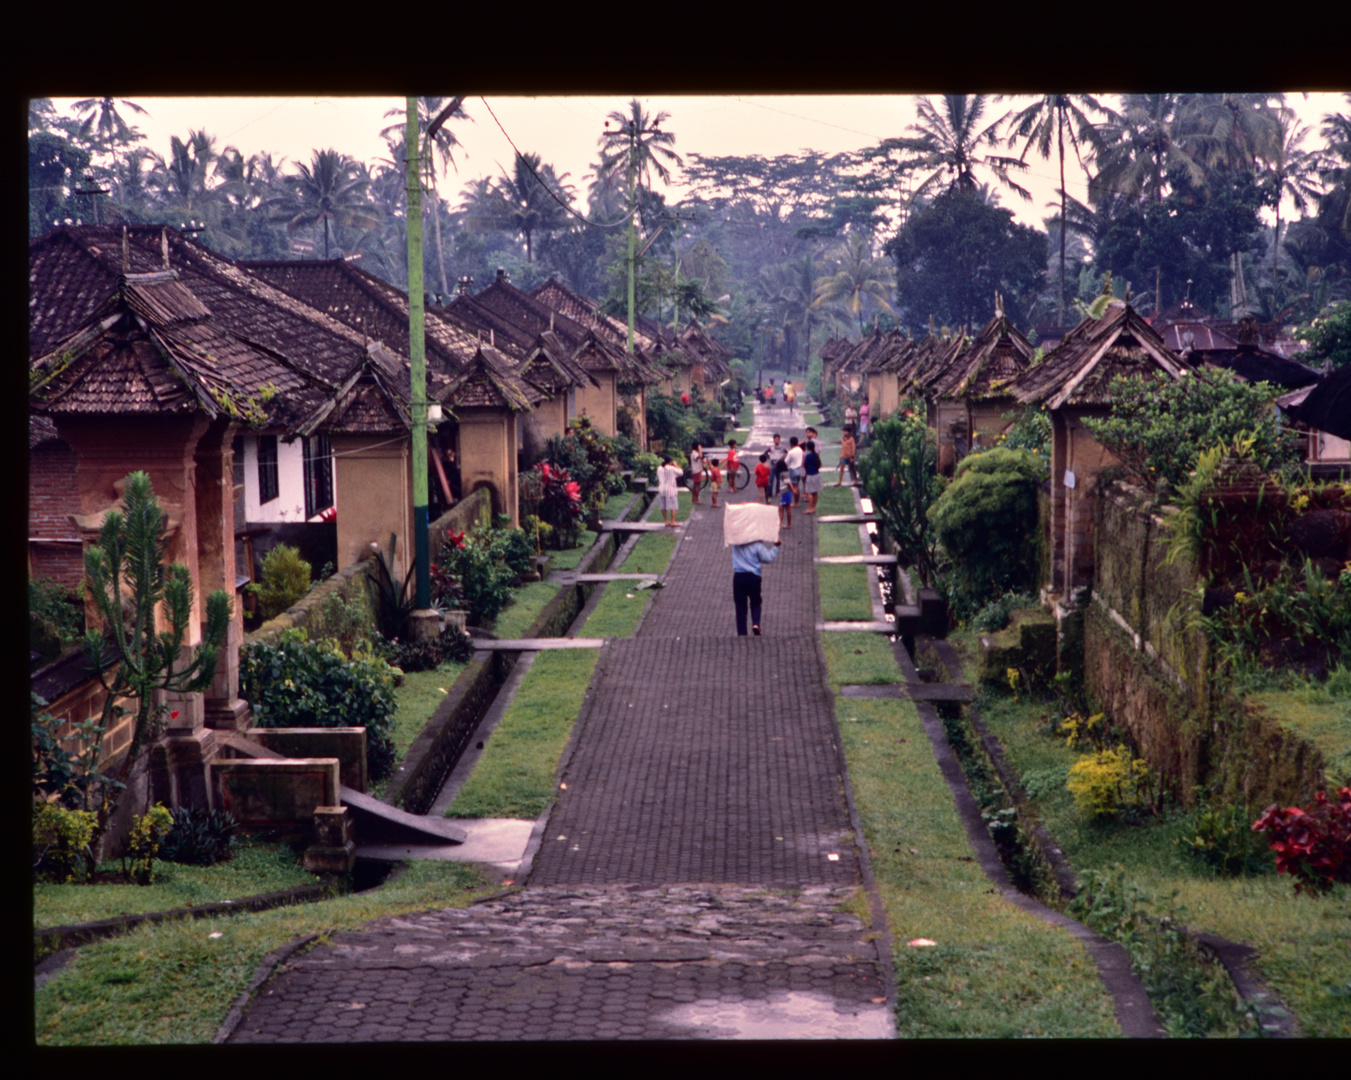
(1293, 173)
(859, 279)
(634, 147)
(102, 123)
(1139, 145)
(329, 191)
(948, 143)
(528, 200)
(1055, 115)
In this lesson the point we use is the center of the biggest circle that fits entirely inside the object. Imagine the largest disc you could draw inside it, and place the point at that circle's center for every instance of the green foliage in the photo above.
(138, 856)
(344, 617)
(73, 779)
(1110, 781)
(1192, 997)
(996, 613)
(408, 656)
(301, 683)
(486, 562)
(1159, 426)
(1031, 431)
(1222, 838)
(199, 837)
(900, 474)
(128, 582)
(986, 520)
(56, 609)
(953, 255)
(590, 459)
(286, 578)
(1329, 337)
(61, 839)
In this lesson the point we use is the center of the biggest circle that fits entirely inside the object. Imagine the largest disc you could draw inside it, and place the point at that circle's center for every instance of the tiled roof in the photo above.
(490, 381)
(72, 270)
(999, 354)
(369, 305)
(1327, 407)
(372, 399)
(153, 347)
(553, 293)
(550, 366)
(1080, 369)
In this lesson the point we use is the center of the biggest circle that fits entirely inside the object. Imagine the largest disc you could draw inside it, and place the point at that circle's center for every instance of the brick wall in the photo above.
(52, 498)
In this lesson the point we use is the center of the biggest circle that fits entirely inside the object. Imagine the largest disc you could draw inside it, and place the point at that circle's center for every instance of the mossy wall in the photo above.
(1152, 677)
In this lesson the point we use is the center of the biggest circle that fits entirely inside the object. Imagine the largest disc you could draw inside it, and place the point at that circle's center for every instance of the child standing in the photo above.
(731, 465)
(714, 480)
(696, 472)
(786, 507)
(762, 476)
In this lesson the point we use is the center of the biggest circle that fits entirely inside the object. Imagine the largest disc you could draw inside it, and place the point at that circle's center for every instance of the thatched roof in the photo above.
(490, 381)
(999, 354)
(1327, 405)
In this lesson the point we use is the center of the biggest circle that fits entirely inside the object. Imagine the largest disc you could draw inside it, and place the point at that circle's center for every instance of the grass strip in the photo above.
(527, 602)
(1301, 942)
(837, 539)
(995, 970)
(515, 776)
(844, 593)
(416, 700)
(174, 982)
(255, 868)
(838, 500)
(569, 558)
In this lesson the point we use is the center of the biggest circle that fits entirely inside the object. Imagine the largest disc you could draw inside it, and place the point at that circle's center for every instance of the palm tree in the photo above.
(949, 142)
(1232, 132)
(526, 204)
(858, 279)
(328, 190)
(1054, 115)
(100, 121)
(443, 141)
(634, 147)
(180, 181)
(1293, 173)
(1139, 145)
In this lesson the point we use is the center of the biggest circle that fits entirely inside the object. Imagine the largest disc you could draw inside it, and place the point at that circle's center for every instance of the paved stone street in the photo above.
(697, 875)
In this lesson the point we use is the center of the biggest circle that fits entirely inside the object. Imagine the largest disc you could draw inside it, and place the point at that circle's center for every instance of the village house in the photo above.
(1071, 383)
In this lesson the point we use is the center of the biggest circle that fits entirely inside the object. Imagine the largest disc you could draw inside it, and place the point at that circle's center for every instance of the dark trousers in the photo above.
(746, 590)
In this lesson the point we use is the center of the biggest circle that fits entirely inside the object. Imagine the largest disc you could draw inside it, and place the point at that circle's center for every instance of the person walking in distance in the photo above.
(668, 473)
(714, 480)
(747, 561)
(762, 476)
(730, 463)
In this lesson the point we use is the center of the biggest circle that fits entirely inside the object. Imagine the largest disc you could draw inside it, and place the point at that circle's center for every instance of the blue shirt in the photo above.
(748, 558)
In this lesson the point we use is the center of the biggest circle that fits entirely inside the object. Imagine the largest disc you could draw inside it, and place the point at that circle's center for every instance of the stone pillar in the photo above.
(216, 568)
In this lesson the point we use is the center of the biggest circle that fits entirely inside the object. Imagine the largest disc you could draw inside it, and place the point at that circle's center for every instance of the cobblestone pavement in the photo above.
(676, 962)
(693, 878)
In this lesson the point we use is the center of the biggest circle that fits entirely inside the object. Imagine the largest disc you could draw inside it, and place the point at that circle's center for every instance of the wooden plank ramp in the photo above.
(858, 560)
(847, 519)
(913, 691)
(538, 644)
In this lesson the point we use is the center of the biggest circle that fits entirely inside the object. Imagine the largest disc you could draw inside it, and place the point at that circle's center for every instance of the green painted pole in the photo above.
(633, 203)
(417, 355)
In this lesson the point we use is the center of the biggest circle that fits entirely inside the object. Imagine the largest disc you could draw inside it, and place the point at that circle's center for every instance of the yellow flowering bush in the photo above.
(1109, 781)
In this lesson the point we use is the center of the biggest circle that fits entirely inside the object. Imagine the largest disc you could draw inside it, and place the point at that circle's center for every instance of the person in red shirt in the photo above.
(731, 464)
(714, 480)
(762, 476)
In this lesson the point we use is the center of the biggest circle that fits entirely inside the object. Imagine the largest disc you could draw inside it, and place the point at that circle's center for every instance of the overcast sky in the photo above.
(565, 131)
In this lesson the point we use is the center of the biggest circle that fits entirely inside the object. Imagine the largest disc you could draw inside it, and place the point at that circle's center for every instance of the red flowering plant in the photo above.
(1313, 845)
(550, 493)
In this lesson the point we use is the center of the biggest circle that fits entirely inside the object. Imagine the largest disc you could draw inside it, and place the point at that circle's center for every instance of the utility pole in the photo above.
(633, 206)
(418, 357)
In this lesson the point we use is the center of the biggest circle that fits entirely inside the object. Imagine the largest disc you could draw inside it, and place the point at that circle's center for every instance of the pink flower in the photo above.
(574, 490)
(544, 469)
(455, 539)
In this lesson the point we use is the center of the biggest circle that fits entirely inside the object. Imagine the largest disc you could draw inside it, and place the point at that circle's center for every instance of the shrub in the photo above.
(589, 458)
(54, 611)
(1329, 336)
(1158, 427)
(286, 578)
(301, 683)
(549, 494)
(986, 520)
(900, 474)
(1313, 846)
(485, 562)
(1221, 837)
(73, 779)
(426, 655)
(61, 842)
(138, 857)
(343, 617)
(199, 837)
(1105, 783)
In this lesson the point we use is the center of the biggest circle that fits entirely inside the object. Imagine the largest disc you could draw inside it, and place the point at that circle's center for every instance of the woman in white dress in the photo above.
(667, 493)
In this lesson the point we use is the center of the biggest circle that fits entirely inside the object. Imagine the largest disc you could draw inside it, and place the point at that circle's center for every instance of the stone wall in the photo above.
(1150, 671)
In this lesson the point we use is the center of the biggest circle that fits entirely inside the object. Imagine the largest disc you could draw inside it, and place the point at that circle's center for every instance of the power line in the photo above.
(540, 180)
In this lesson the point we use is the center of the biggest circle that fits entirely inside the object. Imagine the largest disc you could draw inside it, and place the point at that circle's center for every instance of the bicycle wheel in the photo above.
(741, 478)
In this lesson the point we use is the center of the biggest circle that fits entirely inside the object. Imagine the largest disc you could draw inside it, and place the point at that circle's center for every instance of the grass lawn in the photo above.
(1301, 941)
(416, 700)
(838, 500)
(996, 971)
(515, 776)
(256, 868)
(527, 602)
(570, 557)
(174, 982)
(1324, 720)
(844, 593)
